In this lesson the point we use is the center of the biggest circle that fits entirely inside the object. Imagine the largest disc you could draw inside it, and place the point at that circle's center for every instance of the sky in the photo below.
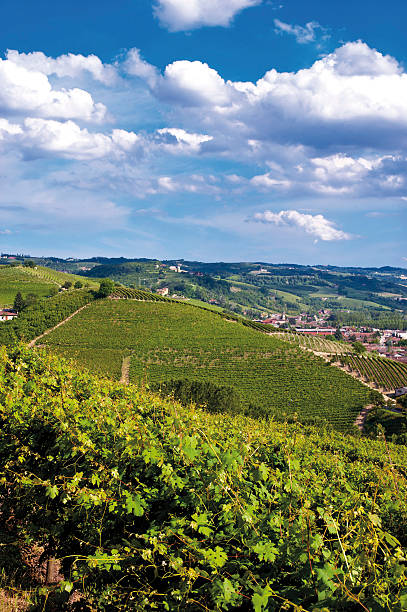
(233, 130)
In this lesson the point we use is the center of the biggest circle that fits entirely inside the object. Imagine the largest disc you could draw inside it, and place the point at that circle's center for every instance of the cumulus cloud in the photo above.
(135, 65)
(69, 65)
(316, 225)
(303, 34)
(37, 137)
(193, 84)
(353, 97)
(29, 91)
(178, 15)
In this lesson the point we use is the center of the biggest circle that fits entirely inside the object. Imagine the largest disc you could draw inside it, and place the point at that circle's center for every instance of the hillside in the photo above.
(38, 281)
(147, 505)
(167, 340)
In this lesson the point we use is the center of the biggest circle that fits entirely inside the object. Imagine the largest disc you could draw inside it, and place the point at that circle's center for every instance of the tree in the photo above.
(67, 285)
(338, 334)
(78, 285)
(29, 263)
(106, 288)
(19, 303)
(358, 347)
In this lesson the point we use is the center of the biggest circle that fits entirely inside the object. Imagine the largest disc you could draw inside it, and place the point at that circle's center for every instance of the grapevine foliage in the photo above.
(153, 506)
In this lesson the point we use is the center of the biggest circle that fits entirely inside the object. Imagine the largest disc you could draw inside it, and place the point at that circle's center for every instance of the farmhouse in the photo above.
(164, 291)
(7, 315)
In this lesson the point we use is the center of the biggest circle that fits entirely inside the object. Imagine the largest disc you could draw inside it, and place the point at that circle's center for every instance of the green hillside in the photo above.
(174, 341)
(151, 506)
(38, 281)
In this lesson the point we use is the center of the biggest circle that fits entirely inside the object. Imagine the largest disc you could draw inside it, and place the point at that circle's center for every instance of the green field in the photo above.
(173, 341)
(38, 281)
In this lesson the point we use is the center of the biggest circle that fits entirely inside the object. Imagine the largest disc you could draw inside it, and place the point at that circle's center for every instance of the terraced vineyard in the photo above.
(173, 341)
(59, 278)
(14, 279)
(385, 373)
(317, 344)
(38, 281)
(125, 293)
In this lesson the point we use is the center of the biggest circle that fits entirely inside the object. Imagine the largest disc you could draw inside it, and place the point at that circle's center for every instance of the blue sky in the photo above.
(205, 129)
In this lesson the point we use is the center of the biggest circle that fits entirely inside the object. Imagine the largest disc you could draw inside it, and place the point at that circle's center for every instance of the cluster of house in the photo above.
(8, 314)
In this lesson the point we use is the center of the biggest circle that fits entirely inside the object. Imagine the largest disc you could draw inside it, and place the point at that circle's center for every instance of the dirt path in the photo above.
(125, 379)
(33, 342)
(361, 418)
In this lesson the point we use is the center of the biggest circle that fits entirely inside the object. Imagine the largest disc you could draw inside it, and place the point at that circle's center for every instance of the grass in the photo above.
(174, 341)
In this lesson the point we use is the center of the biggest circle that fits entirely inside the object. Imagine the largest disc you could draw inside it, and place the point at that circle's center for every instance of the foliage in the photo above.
(392, 422)
(358, 347)
(29, 263)
(106, 287)
(152, 506)
(172, 341)
(19, 303)
(206, 395)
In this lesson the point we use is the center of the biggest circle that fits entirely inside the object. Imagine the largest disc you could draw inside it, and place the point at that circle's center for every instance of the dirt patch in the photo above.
(125, 378)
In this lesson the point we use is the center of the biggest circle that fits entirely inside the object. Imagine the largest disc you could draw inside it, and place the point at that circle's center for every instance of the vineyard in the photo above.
(124, 293)
(59, 278)
(38, 281)
(148, 505)
(14, 279)
(317, 344)
(385, 373)
(168, 341)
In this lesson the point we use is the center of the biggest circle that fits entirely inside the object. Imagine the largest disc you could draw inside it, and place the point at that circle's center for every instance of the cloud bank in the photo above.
(123, 131)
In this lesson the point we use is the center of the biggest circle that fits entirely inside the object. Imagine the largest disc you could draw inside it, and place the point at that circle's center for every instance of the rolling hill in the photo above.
(38, 281)
(166, 340)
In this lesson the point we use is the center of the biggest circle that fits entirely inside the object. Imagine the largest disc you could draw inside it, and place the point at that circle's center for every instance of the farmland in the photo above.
(174, 341)
(385, 373)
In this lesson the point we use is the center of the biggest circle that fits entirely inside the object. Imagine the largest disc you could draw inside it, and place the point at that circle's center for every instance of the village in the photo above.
(389, 342)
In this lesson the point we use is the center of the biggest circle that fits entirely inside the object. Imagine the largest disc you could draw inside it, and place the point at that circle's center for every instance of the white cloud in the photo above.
(29, 91)
(303, 34)
(178, 15)
(352, 96)
(69, 65)
(193, 84)
(179, 141)
(316, 225)
(7, 129)
(37, 137)
(266, 181)
(135, 65)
